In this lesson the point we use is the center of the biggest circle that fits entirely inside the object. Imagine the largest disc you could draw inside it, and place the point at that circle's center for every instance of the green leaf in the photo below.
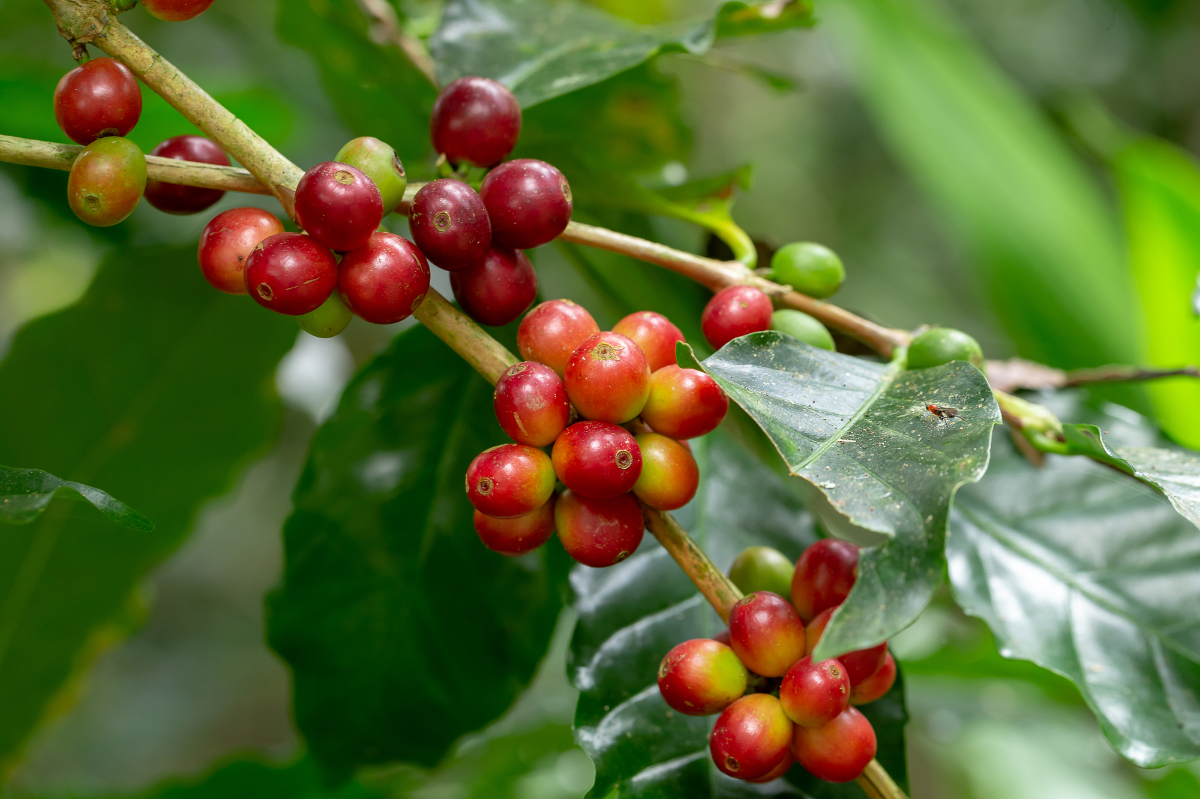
(1093, 576)
(25, 493)
(160, 388)
(403, 632)
(860, 433)
(631, 614)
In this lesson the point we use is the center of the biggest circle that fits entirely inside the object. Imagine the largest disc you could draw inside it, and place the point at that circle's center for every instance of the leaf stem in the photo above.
(1018, 373)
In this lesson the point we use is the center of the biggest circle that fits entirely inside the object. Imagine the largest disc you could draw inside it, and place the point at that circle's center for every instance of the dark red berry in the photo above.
(701, 677)
(751, 737)
(384, 281)
(814, 693)
(877, 685)
(597, 459)
(226, 243)
(766, 633)
(669, 477)
(528, 203)
(290, 273)
(824, 575)
(552, 331)
(510, 480)
(598, 532)
(498, 289)
(861, 663)
(684, 403)
(107, 181)
(518, 535)
(608, 378)
(176, 199)
(654, 333)
(838, 750)
(531, 404)
(338, 206)
(475, 120)
(176, 10)
(450, 224)
(99, 98)
(735, 311)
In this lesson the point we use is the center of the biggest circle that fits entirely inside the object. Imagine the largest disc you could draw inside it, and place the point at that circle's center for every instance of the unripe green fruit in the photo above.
(809, 268)
(800, 325)
(941, 345)
(107, 181)
(330, 318)
(378, 161)
(762, 569)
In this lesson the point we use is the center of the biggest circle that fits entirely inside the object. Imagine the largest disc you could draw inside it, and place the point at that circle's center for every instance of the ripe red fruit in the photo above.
(597, 459)
(654, 333)
(837, 751)
(510, 480)
(784, 766)
(531, 404)
(608, 378)
(518, 535)
(498, 289)
(824, 575)
(766, 633)
(226, 243)
(684, 403)
(176, 10)
(814, 693)
(877, 685)
(385, 280)
(701, 677)
(598, 532)
(669, 476)
(751, 737)
(552, 331)
(338, 206)
(98, 98)
(735, 311)
(528, 202)
(290, 273)
(106, 181)
(860, 664)
(175, 199)
(450, 224)
(476, 120)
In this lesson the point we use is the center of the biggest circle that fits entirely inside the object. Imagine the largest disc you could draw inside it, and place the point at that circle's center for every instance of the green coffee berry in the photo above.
(378, 161)
(808, 268)
(762, 569)
(800, 325)
(328, 319)
(941, 345)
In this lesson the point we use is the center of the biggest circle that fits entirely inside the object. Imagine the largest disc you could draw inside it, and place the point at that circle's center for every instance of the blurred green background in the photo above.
(1023, 170)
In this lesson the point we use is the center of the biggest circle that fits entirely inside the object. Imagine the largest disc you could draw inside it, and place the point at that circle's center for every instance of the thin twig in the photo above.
(1017, 373)
(718, 589)
(386, 29)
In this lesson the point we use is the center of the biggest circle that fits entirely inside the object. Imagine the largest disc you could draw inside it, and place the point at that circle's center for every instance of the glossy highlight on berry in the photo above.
(814, 693)
(654, 334)
(684, 403)
(531, 404)
(701, 677)
(97, 99)
(751, 737)
(766, 633)
(510, 480)
(226, 243)
(498, 289)
(528, 203)
(338, 206)
(838, 750)
(450, 224)
(552, 331)
(597, 459)
(608, 378)
(475, 120)
(291, 274)
(669, 477)
(598, 532)
(385, 280)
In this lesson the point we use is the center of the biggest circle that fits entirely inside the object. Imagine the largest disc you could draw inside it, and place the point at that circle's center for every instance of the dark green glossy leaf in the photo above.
(630, 615)
(403, 632)
(157, 387)
(860, 433)
(25, 493)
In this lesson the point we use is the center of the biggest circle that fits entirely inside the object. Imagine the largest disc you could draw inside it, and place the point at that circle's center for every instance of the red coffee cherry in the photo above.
(598, 532)
(824, 575)
(518, 535)
(107, 181)
(498, 289)
(379, 162)
(837, 751)
(784, 766)
(654, 333)
(226, 243)
(476, 120)
(290, 273)
(96, 99)
(684, 403)
(814, 693)
(450, 224)
(669, 477)
(766, 633)
(384, 281)
(597, 459)
(531, 404)
(861, 663)
(338, 206)
(175, 199)
(751, 737)
(608, 378)
(701, 677)
(528, 203)
(510, 480)
(877, 685)
(735, 311)
(176, 10)
(552, 331)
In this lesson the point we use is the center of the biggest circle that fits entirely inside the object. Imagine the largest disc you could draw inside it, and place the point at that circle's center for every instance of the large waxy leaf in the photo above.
(860, 433)
(403, 632)
(26, 493)
(631, 614)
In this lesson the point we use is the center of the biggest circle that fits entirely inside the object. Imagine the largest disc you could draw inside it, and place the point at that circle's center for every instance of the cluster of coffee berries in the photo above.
(635, 411)
(777, 706)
